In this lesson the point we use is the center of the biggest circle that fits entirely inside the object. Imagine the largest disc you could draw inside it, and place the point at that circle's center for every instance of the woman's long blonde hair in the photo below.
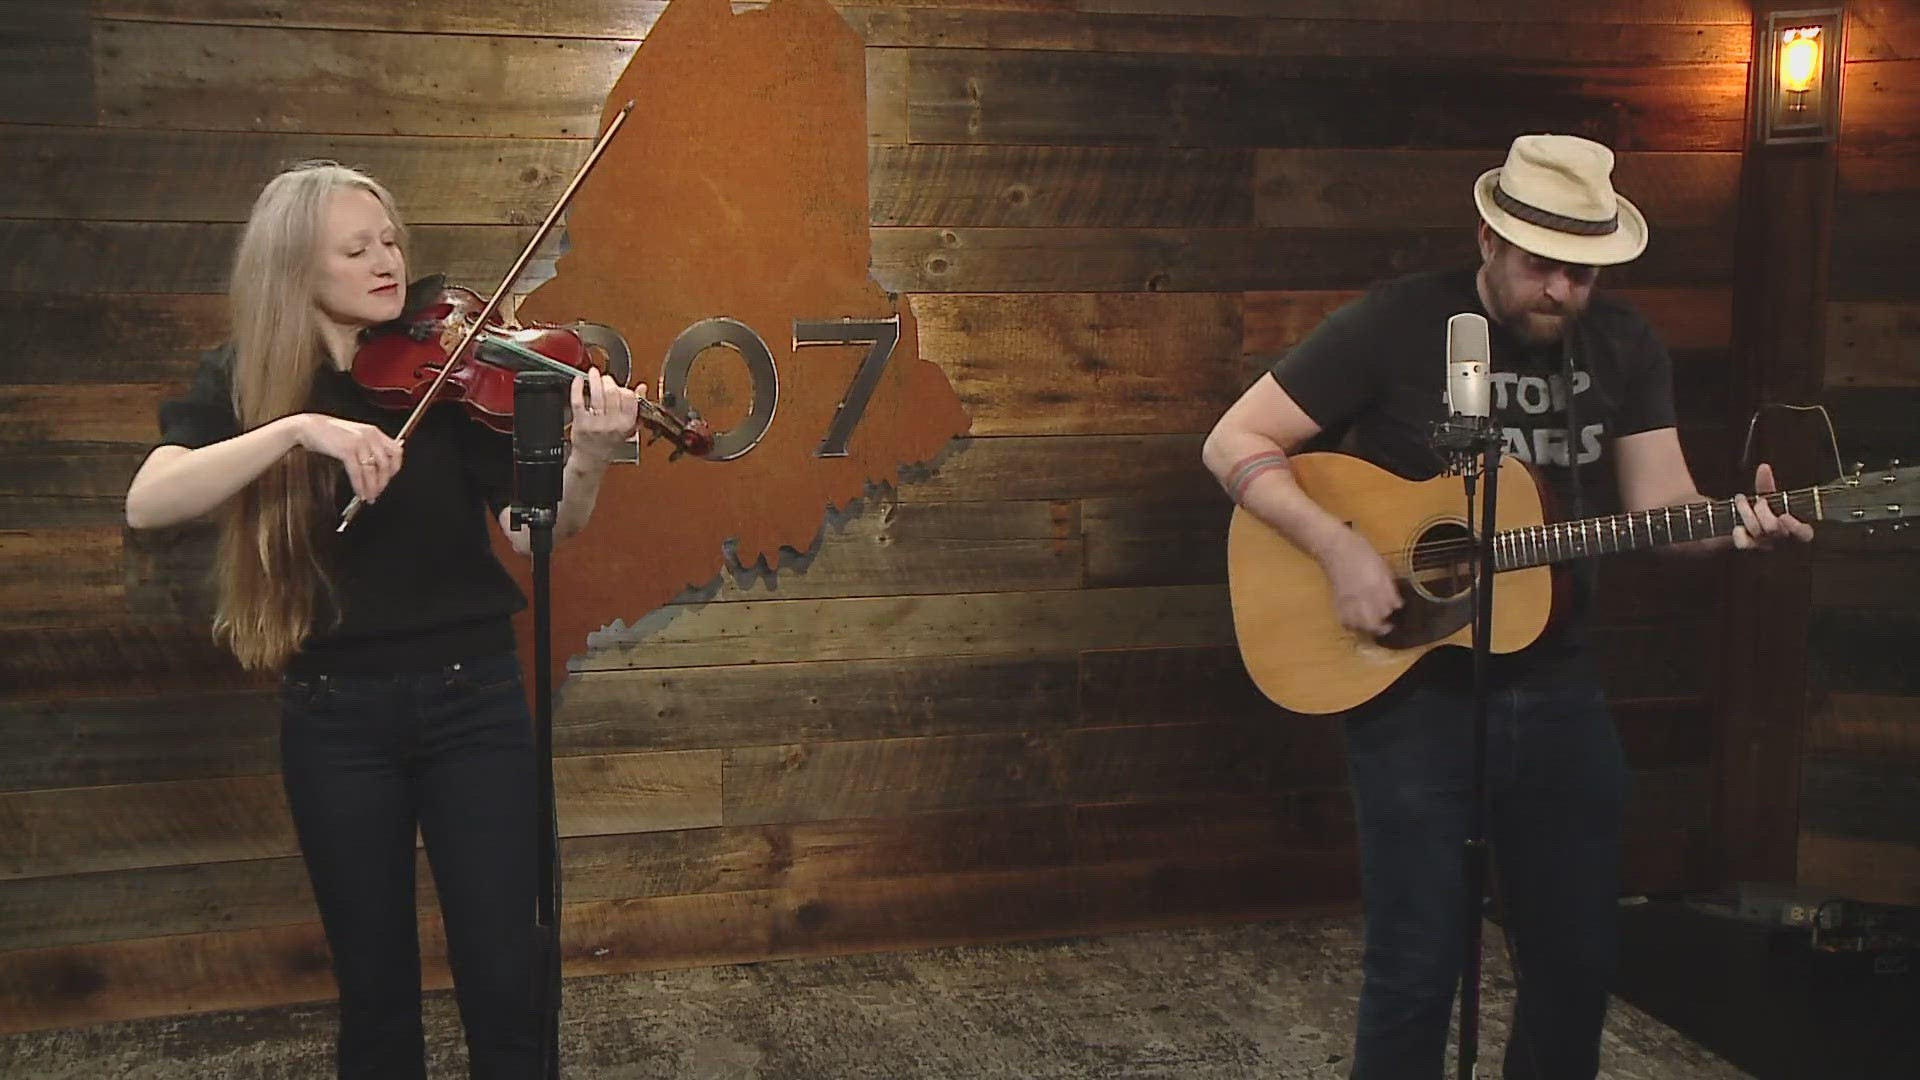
(269, 575)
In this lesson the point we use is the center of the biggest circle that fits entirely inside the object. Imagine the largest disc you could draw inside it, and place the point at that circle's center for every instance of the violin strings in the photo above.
(531, 356)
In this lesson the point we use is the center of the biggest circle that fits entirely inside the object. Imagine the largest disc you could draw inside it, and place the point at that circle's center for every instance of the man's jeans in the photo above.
(1558, 781)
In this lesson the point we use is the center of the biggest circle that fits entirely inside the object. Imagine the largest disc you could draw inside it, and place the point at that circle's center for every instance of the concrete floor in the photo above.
(1271, 1001)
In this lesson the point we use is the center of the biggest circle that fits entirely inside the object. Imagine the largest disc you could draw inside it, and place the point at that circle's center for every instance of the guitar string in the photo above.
(1445, 551)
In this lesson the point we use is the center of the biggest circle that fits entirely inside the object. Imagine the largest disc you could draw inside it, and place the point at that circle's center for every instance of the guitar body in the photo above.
(1290, 637)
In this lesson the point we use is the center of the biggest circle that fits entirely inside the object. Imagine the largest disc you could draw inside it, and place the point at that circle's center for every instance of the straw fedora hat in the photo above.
(1554, 197)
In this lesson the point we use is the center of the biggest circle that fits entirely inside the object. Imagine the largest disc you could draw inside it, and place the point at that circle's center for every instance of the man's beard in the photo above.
(1539, 328)
(1529, 323)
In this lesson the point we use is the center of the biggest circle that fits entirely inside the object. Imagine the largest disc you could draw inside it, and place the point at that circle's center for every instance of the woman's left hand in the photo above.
(605, 416)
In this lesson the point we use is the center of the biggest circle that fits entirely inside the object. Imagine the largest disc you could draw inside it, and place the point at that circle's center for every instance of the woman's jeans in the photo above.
(365, 758)
(1558, 782)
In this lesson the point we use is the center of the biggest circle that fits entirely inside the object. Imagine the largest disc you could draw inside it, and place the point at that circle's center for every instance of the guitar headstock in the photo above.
(1886, 496)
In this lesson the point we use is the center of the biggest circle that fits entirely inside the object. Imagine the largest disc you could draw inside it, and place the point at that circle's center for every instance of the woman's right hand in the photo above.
(369, 455)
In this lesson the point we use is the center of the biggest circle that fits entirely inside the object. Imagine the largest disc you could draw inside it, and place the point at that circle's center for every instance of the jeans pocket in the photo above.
(488, 675)
(299, 693)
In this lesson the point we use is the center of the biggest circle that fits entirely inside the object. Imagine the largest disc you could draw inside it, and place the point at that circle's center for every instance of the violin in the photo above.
(402, 362)
(453, 341)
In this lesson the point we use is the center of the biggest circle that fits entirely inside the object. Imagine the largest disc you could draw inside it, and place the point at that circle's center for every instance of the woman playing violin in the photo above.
(400, 696)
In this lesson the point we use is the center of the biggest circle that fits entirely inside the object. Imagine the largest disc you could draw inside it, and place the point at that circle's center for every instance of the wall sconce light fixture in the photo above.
(1800, 77)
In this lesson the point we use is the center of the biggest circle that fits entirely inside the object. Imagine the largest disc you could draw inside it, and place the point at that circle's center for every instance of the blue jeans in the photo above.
(367, 757)
(1557, 781)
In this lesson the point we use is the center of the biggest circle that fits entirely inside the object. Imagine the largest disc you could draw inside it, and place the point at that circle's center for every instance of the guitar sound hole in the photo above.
(1442, 562)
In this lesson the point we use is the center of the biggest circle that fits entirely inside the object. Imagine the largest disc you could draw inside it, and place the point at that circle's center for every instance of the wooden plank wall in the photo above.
(1860, 791)
(1007, 702)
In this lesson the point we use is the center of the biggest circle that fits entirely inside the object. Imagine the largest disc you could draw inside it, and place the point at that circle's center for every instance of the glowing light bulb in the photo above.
(1799, 60)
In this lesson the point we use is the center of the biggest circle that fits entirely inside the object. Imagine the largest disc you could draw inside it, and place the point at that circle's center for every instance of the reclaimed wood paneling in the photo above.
(1861, 795)
(1859, 819)
(214, 176)
(74, 742)
(1062, 467)
(983, 624)
(1882, 30)
(1879, 103)
(84, 830)
(93, 338)
(1873, 243)
(1346, 189)
(629, 19)
(114, 654)
(1582, 12)
(1869, 870)
(1886, 171)
(884, 777)
(1188, 761)
(1263, 32)
(886, 95)
(1001, 700)
(1850, 721)
(1674, 658)
(1027, 186)
(1865, 651)
(1874, 344)
(1874, 426)
(191, 257)
(882, 550)
(213, 78)
(60, 412)
(51, 576)
(165, 901)
(159, 976)
(69, 484)
(1886, 583)
(1056, 186)
(1691, 319)
(1130, 542)
(1273, 874)
(896, 549)
(827, 701)
(991, 96)
(1087, 364)
(46, 64)
(1219, 260)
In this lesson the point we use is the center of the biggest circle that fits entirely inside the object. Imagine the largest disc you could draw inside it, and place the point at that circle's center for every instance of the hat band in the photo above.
(1547, 219)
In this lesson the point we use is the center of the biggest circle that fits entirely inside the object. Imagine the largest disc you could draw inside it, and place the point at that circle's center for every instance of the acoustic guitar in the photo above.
(1301, 657)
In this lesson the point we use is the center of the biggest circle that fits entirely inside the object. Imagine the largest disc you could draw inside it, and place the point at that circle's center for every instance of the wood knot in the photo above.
(812, 915)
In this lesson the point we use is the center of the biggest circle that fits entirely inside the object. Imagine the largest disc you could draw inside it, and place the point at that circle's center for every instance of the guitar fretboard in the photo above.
(1538, 545)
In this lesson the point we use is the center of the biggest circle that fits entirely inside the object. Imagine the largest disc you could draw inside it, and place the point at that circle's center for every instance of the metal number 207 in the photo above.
(882, 334)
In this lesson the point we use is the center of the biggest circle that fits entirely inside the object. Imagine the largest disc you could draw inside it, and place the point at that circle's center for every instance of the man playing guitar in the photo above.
(1369, 379)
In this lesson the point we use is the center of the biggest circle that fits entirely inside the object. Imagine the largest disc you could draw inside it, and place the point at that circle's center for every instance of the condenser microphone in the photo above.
(1468, 357)
(539, 443)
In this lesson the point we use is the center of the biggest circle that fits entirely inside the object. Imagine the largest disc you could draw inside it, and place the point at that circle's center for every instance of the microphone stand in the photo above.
(539, 471)
(1473, 446)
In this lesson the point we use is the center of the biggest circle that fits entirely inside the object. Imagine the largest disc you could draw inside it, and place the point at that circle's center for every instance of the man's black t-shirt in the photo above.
(1373, 377)
(415, 581)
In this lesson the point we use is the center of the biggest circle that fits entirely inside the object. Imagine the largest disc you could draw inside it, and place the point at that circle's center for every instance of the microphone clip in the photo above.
(1462, 442)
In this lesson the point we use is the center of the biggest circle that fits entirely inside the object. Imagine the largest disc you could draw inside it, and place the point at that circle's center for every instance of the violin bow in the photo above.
(493, 302)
